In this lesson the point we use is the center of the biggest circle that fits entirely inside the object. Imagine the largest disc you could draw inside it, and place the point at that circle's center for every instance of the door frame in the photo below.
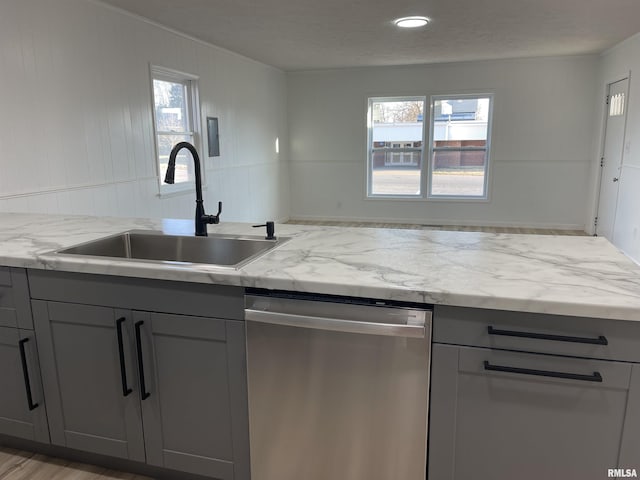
(592, 225)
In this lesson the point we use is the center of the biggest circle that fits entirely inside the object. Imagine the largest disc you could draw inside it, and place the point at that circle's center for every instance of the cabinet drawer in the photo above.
(540, 333)
(527, 367)
(15, 309)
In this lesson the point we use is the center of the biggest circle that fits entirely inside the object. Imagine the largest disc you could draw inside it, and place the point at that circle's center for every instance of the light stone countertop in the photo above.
(565, 275)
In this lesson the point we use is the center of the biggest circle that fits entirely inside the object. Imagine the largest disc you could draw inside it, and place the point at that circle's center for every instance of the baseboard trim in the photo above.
(435, 222)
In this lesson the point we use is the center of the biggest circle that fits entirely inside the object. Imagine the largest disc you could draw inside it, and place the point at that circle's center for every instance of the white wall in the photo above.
(542, 144)
(76, 130)
(615, 64)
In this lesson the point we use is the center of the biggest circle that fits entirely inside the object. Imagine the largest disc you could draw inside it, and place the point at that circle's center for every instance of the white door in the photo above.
(612, 157)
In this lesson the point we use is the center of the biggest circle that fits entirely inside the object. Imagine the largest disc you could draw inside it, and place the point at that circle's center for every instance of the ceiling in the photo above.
(318, 34)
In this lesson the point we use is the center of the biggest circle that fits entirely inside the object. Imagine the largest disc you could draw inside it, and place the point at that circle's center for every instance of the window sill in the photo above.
(445, 198)
(410, 198)
(438, 199)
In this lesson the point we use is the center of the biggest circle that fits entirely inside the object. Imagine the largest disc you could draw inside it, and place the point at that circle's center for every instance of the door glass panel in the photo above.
(616, 105)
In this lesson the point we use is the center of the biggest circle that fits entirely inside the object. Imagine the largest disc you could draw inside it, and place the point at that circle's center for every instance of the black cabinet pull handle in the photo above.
(123, 371)
(596, 377)
(25, 371)
(601, 340)
(143, 386)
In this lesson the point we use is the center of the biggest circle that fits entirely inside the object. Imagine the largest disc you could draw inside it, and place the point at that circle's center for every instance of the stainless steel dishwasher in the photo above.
(338, 388)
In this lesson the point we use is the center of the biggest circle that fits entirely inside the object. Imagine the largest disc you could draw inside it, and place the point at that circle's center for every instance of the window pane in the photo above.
(184, 160)
(396, 178)
(460, 119)
(396, 133)
(458, 173)
(171, 106)
(460, 135)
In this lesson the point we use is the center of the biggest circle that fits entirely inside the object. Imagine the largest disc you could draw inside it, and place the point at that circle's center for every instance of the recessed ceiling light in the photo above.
(411, 22)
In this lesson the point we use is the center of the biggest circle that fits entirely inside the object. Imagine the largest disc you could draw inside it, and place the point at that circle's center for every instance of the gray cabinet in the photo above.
(194, 409)
(89, 409)
(501, 414)
(22, 409)
(168, 389)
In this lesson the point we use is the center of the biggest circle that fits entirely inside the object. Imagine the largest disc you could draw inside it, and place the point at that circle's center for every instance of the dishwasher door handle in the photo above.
(337, 325)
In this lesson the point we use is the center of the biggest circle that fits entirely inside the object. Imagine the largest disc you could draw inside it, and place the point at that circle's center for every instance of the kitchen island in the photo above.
(535, 353)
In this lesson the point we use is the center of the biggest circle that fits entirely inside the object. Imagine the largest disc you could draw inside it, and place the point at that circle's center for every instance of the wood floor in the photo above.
(19, 465)
(455, 228)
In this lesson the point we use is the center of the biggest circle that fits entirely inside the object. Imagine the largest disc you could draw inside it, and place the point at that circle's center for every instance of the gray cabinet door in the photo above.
(195, 415)
(490, 424)
(15, 310)
(21, 416)
(89, 408)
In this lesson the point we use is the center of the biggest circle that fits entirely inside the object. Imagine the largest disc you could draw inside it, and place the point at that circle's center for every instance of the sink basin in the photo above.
(217, 249)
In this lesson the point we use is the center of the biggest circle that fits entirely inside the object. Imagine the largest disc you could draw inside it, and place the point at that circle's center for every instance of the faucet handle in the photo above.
(215, 219)
(271, 230)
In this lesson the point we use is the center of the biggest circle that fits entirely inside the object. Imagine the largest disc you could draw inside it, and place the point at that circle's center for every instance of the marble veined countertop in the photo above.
(565, 275)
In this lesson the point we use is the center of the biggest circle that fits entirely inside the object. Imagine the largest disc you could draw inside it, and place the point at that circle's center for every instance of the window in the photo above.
(459, 133)
(396, 134)
(175, 113)
(459, 147)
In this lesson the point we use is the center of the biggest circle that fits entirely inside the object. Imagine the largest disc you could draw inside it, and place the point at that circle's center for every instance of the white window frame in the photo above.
(426, 168)
(371, 150)
(432, 149)
(193, 121)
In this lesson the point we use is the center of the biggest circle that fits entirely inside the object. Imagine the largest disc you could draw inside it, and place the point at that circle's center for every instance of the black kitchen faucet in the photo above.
(201, 218)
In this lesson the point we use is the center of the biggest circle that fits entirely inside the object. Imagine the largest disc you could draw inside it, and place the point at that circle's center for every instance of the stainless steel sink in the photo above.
(220, 250)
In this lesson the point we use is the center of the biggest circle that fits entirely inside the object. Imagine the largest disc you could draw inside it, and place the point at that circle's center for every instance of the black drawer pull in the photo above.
(596, 377)
(25, 371)
(143, 386)
(601, 340)
(123, 371)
